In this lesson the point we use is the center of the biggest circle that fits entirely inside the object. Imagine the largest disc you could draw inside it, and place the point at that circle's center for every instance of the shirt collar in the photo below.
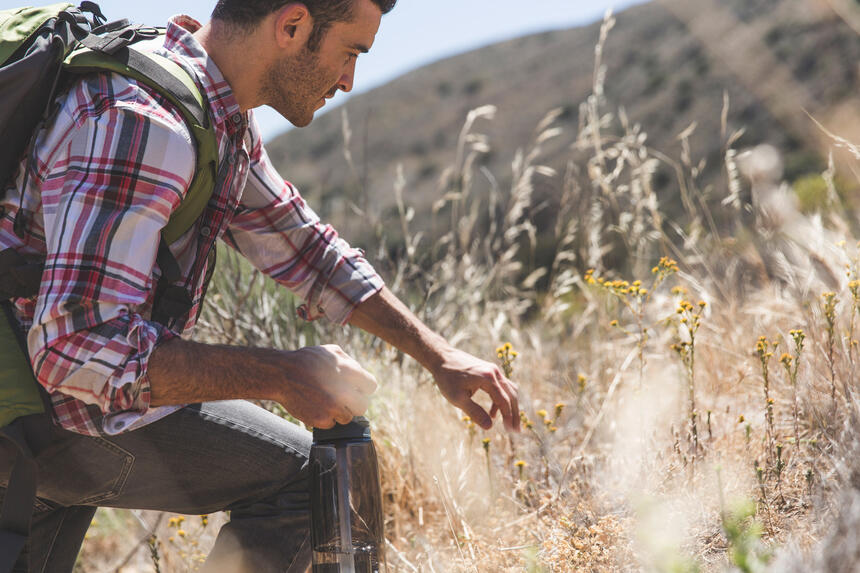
(223, 106)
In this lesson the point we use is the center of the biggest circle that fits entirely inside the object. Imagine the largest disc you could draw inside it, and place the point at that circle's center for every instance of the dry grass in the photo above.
(646, 449)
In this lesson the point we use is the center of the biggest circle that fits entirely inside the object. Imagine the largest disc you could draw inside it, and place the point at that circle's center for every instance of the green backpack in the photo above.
(43, 49)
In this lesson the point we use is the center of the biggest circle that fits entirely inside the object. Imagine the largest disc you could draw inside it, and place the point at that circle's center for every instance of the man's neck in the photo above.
(236, 55)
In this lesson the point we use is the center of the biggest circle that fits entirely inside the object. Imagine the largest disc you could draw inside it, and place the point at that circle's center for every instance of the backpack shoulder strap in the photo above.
(174, 83)
(25, 423)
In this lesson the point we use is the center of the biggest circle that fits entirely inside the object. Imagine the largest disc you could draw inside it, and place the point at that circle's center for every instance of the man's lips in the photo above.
(327, 96)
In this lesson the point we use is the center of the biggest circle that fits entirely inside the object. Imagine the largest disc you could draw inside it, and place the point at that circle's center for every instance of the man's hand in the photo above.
(327, 386)
(460, 375)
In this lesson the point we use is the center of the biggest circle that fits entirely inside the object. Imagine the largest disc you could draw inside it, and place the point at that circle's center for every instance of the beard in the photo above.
(294, 87)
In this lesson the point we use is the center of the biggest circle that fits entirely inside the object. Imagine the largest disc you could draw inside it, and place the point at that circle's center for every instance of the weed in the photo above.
(743, 534)
(689, 319)
(153, 553)
(765, 349)
(507, 355)
(828, 307)
(791, 363)
(634, 297)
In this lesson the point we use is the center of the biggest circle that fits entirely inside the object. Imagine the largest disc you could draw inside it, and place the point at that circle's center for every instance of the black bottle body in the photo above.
(346, 505)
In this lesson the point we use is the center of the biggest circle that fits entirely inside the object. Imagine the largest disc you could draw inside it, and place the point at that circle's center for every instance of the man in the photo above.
(145, 419)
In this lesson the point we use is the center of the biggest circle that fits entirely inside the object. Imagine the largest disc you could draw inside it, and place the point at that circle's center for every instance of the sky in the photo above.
(415, 33)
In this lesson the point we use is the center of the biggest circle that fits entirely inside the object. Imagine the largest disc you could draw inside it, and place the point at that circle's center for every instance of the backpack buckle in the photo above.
(93, 8)
(119, 38)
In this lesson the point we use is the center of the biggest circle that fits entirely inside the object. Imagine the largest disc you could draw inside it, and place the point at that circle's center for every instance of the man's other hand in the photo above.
(460, 375)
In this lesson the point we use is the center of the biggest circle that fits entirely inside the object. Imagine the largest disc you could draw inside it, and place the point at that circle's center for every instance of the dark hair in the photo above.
(246, 14)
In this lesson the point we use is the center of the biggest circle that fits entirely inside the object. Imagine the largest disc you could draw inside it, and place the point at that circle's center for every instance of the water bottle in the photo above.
(346, 502)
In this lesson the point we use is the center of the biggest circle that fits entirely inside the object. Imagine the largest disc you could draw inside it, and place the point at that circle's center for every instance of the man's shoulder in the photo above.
(108, 97)
(115, 120)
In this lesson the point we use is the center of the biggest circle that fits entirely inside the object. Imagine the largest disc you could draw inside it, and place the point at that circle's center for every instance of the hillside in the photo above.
(668, 64)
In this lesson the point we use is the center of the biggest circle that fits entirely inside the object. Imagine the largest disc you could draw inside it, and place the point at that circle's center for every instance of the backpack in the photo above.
(42, 49)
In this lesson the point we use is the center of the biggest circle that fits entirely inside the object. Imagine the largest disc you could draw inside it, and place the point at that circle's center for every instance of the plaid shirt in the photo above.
(100, 182)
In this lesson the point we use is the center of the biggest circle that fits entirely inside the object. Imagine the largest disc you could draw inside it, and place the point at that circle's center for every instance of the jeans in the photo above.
(201, 459)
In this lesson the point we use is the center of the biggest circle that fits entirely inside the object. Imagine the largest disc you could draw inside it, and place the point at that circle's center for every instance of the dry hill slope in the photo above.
(664, 68)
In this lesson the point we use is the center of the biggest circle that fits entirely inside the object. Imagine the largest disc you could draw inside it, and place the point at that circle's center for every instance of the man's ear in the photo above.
(293, 26)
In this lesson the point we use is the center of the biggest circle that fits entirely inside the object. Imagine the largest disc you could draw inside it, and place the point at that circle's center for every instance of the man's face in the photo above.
(298, 85)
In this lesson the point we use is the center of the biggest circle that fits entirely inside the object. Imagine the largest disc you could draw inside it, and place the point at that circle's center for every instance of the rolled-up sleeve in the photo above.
(116, 176)
(281, 236)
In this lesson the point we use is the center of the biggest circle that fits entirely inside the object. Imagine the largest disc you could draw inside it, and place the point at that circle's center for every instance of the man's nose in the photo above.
(345, 82)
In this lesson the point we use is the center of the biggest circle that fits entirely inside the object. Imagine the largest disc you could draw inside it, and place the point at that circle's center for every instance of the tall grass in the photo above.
(633, 456)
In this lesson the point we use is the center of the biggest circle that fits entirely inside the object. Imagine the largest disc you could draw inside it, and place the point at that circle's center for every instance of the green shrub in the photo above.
(473, 87)
(811, 191)
(743, 533)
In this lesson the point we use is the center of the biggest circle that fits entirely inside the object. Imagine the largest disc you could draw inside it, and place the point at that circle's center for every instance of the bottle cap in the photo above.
(358, 429)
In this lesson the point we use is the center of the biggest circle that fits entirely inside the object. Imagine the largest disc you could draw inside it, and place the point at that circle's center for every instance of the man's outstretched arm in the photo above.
(458, 374)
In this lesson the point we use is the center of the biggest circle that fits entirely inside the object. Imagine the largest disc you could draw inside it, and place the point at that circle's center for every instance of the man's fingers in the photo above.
(345, 416)
(342, 416)
(357, 403)
(321, 424)
(494, 387)
(358, 378)
(477, 414)
(365, 382)
(348, 369)
(513, 393)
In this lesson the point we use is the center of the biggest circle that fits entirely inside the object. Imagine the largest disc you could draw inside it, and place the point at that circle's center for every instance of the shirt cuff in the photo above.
(132, 409)
(338, 308)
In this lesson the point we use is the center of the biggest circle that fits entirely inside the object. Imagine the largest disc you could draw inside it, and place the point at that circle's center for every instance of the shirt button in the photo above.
(237, 118)
(206, 231)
